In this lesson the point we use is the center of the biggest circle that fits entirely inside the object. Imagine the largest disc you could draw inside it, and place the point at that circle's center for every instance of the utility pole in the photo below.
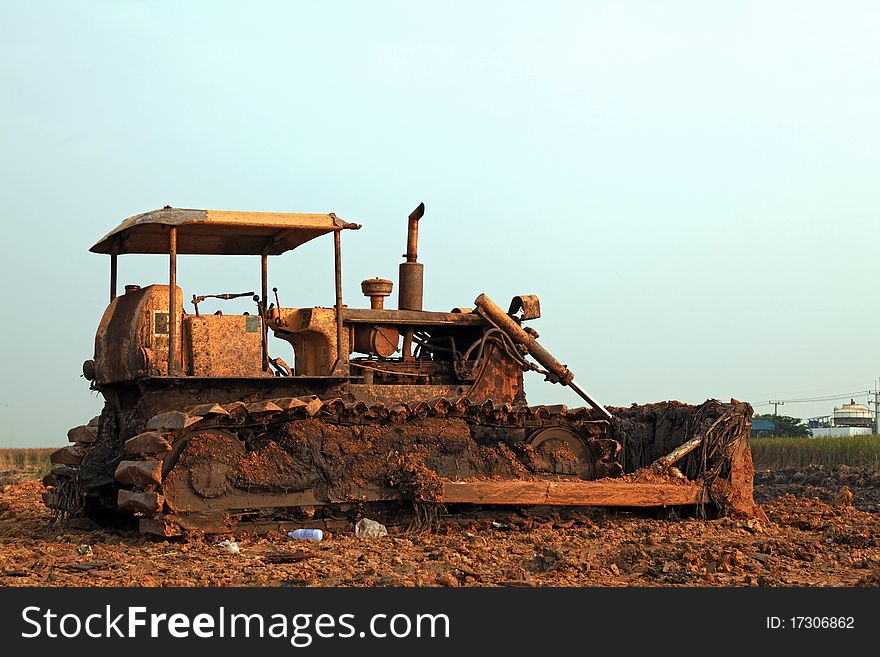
(877, 407)
(776, 405)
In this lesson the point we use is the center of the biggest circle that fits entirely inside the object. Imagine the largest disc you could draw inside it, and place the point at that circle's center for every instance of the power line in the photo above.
(807, 400)
(821, 391)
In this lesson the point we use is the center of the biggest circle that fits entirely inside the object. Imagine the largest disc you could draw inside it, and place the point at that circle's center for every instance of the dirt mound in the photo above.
(824, 482)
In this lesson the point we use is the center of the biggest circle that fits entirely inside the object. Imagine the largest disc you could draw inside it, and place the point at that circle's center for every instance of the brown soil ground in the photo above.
(822, 481)
(823, 530)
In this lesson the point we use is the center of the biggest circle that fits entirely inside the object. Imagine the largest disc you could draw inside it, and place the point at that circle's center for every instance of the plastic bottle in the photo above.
(306, 534)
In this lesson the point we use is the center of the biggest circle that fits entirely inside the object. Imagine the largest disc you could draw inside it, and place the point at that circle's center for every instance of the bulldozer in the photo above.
(383, 410)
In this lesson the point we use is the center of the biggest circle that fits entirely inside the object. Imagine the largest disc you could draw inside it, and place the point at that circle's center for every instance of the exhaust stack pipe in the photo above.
(409, 294)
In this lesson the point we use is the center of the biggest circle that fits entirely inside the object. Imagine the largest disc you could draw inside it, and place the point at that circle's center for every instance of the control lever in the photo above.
(197, 299)
(280, 320)
(260, 310)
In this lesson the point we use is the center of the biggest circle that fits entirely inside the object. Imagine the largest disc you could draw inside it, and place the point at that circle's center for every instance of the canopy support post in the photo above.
(340, 367)
(172, 301)
(264, 281)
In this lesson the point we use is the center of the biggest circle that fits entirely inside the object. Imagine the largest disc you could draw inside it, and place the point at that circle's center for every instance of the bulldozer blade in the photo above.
(573, 493)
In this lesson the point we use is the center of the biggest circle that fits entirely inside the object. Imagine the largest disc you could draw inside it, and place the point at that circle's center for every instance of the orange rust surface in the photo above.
(218, 231)
(312, 332)
(132, 322)
(221, 345)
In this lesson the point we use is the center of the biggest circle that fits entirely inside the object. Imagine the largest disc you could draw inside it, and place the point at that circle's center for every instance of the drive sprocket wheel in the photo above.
(561, 450)
(201, 466)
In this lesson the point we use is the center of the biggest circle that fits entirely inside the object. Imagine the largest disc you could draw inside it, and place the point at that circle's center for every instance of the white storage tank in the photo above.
(853, 415)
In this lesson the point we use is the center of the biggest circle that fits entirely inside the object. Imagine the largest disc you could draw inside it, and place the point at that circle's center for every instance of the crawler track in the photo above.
(212, 466)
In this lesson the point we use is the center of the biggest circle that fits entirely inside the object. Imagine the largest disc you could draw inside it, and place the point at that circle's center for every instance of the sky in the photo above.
(691, 188)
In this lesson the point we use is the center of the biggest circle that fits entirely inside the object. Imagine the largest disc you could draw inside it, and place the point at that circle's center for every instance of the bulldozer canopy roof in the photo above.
(218, 232)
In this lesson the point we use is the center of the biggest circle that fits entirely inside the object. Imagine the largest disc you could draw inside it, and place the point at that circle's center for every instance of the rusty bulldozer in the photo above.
(393, 410)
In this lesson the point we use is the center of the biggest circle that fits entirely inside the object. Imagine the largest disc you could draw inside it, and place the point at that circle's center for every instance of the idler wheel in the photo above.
(201, 465)
(210, 479)
(562, 451)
